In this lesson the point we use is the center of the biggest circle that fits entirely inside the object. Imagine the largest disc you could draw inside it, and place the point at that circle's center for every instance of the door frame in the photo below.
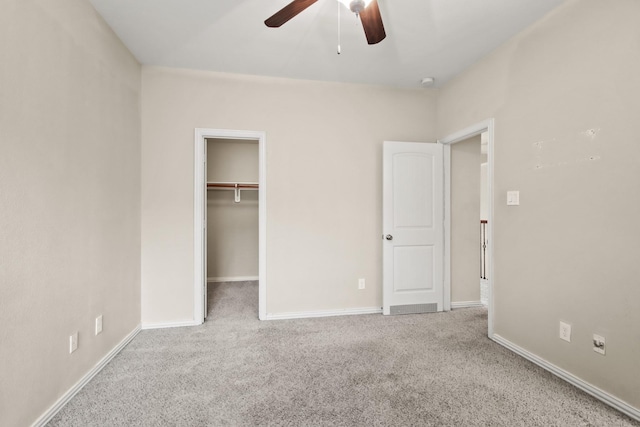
(199, 202)
(487, 126)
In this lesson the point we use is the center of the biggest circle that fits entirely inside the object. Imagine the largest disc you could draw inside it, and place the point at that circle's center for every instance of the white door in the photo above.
(413, 228)
(204, 230)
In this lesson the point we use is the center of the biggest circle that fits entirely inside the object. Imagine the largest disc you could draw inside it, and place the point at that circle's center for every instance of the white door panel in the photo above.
(413, 200)
(412, 268)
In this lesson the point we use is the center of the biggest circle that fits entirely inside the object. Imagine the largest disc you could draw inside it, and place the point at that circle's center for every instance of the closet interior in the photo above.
(232, 213)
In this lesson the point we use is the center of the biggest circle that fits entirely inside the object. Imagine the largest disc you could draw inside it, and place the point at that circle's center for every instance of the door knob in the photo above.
(388, 237)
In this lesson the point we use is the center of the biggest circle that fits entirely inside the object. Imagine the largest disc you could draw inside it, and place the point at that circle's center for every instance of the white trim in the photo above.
(324, 313)
(487, 126)
(466, 304)
(198, 224)
(199, 238)
(232, 279)
(65, 398)
(262, 226)
(446, 171)
(163, 325)
(594, 391)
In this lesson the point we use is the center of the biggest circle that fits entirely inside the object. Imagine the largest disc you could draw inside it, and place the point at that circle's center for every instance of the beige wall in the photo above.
(324, 144)
(465, 220)
(565, 95)
(69, 197)
(484, 190)
(232, 160)
(232, 228)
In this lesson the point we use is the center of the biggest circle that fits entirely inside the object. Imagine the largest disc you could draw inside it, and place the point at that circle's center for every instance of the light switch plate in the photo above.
(513, 198)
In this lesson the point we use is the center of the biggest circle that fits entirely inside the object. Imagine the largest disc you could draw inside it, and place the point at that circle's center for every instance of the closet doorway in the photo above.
(230, 211)
(232, 214)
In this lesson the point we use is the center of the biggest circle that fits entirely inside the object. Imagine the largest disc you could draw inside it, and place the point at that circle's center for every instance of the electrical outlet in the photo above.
(98, 324)
(73, 342)
(565, 331)
(513, 198)
(361, 284)
(598, 344)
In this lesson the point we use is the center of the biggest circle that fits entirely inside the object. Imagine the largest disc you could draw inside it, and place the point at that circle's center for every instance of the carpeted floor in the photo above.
(369, 370)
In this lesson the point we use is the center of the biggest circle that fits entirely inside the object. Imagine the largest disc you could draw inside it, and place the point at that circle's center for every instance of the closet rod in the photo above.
(230, 185)
(237, 187)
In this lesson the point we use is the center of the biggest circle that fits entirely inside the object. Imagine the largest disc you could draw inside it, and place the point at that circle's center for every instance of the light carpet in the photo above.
(369, 370)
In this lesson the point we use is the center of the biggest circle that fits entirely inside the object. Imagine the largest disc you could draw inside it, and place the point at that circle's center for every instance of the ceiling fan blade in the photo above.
(288, 12)
(372, 23)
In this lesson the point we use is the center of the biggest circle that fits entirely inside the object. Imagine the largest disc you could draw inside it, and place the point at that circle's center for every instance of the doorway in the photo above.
(481, 250)
(233, 178)
(231, 218)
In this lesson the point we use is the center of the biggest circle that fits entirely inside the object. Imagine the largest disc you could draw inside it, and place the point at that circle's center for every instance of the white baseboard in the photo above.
(324, 313)
(466, 304)
(233, 279)
(594, 391)
(65, 398)
(164, 325)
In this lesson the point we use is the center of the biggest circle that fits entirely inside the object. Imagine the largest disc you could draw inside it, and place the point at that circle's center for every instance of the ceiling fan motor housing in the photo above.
(357, 6)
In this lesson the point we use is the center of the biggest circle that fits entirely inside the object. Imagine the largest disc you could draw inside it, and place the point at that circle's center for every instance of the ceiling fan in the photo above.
(367, 10)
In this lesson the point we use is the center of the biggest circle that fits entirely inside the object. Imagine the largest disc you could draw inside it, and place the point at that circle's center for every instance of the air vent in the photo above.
(414, 308)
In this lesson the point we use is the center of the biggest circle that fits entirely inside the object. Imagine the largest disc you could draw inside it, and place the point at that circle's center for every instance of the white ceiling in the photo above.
(434, 38)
